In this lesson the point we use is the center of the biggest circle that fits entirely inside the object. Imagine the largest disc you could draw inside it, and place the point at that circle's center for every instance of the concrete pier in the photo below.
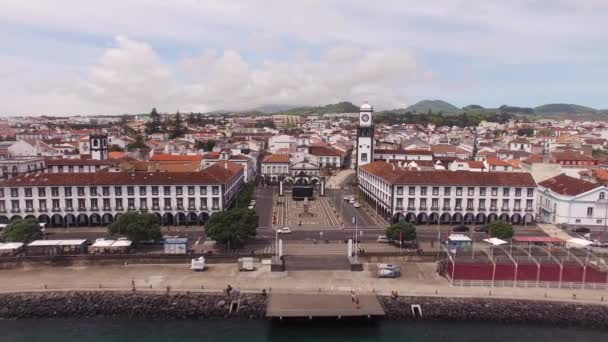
(322, 306)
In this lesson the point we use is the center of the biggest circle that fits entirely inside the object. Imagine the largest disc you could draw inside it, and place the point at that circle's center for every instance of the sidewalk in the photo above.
(554, 231)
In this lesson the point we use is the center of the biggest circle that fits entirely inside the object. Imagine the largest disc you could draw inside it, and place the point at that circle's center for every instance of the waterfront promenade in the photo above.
(419, 279)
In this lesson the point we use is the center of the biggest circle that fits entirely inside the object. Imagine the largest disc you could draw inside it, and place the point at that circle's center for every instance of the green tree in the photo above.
(177, 126)
(136, 226)
(501, 230)
(116, 148)
(527, 132)
(404, 231)
(191, 119)
(139, 143)
(154, 125)
(22, 231)
(208, 145)
(232, 227)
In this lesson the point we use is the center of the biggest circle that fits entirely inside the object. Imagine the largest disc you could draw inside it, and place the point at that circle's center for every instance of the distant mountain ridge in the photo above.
(434, 106)
(561, 108)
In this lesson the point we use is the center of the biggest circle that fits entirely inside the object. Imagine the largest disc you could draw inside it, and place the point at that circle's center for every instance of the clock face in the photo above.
(365, 118)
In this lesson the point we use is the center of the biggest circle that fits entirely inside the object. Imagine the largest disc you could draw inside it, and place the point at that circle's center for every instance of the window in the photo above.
(155, 191)
(410, 204)
(528, 205)
(435, 191)
(470, 204)
(143, 204)
(155, 204)
(130, 191)
(602, 195)
(180, 204)
(106, 204)
(15, 206)
(93, 191)
(215, 190)
(1, 192)
(142, 191)
(517, 192)
(577, 221)
(446, 191)
(216, 204)
(505, 192)
(598, 221)
(2, 207)
(42, 205)
(364, 157)
(29, 205)
(80, 190)
(589, 211)
(399, 203)
(167, 190)
(203, 203)
(131, 203)
(105, 190)
(471, 191)
(482, 191)
(505, 204)
(191, 204)
(399, 190)
(178, 191)
(119, 204)
(517, 205)
(14, 192)
(446, 204)
(81, 204)
(94, 204)
(423, 204)
(530, 192)
(68, 205)
(458, 205)
(55, 204)
(203, 190)
(412, 191)
(167, 203)
(28, 192)
(423, 191)
(435, 204)
(494, 191)
(493, 204)
(118, 191)
(190, 191)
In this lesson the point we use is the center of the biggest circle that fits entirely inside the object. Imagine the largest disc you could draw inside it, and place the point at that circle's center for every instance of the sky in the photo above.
(70, 57)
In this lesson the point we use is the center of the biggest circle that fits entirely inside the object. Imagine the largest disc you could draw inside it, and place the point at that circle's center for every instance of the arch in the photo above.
(433, 218)
(180, 218)
(505, 218)
(398, 217)
(314, 180)
(203, 217)
(192, 218)
(492, 217)
(422, 218)
(4, 219)
(57, 220)
(528, 218)
(30, 217)
(469, 218)
(457, 218)
(16, 217)
(516, 219)
(410, 217)
(288, 180)
(445, 218)
(69, 219)
(167, 219)
(158, 218)
(95, 220)
(107, 219)
(480, 218)
(44, 219)
(82, 220)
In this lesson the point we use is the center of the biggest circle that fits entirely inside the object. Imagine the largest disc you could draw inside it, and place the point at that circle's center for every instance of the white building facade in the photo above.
(79, 199)
(365, 135)
(447, 197)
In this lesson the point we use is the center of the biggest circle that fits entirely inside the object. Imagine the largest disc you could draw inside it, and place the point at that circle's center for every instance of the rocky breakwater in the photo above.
(133, 305)
(496, 310)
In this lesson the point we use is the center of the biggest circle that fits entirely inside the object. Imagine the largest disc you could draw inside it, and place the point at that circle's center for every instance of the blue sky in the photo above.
(77, 57)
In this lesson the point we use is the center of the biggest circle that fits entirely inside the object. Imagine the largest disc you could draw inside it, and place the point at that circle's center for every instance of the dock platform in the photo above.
(322, 306)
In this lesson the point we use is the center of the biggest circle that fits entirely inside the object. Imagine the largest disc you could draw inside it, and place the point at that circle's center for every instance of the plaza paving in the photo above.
(320, 214)
(419, 279)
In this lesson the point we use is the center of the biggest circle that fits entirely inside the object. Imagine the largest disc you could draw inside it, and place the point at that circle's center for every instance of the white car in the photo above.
(352, 200)
(252, 202)
(347, 198)
(284, 230)
(383, 239)
(251, 207)
(356, 205)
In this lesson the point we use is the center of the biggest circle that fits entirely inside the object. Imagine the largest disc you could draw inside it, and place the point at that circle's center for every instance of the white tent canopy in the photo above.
(495, 241)
(578, 242)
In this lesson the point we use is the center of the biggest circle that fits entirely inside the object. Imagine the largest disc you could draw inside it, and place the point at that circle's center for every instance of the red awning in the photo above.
(545, 239)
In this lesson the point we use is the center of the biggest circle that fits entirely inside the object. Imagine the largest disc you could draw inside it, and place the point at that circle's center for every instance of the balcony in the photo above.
(131, 209)
(434, 208)
(180, 207)
(215, 208)
(3, 210)
(143, 208)
(470, 209)
(56, 209)
(192, 207)
(204, 208)
(422, 208)
(43, 210)
(69, 209)
(517, 209)
(458, 208)
(446, 208)
(29, 210)
(411, 208)
(167, 207)
(119, 208)
(15, 210)
(156, 207)
(108, 208)
(82, 208)
(529, 209)
(504, 209)
(95, 208)
(493, 209)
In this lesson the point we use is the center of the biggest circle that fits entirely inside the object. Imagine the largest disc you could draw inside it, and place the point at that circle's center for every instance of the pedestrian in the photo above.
(237, 292)
(357, 302)
(352, 295)
(228, 289)
(264, 293)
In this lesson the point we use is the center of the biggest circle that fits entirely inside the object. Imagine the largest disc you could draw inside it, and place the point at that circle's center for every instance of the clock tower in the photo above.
(365, 135)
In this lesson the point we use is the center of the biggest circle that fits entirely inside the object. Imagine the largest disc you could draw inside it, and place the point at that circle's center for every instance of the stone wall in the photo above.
(498, 310)
(139, 304)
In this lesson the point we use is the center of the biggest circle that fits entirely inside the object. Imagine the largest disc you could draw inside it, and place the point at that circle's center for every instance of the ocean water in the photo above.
(119, 330)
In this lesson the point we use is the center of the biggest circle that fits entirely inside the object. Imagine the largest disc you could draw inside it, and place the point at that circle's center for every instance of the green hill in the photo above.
(341, 107)
(563, 108)
(473, 107)
(434, 106)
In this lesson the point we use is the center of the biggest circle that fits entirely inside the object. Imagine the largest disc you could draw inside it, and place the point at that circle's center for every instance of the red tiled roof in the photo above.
(570, 155)
(175, 157)
(497, 162)
(276, 158)
(215, 174)
(395, 175)
(569, 186)
(476, 164)
(410, 152)
(324, 151)
(76, 162)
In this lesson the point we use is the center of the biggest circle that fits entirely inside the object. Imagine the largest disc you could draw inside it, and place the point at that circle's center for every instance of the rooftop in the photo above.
(569, 186)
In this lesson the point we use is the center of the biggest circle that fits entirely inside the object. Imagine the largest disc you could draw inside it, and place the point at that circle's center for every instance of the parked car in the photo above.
(357, 205)
(460, 229)
(389, 271)
(482, 229)
(253, 202)
(581, 230)
(351, 200)
(383, 239)
(284, 230)
(597, 243)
